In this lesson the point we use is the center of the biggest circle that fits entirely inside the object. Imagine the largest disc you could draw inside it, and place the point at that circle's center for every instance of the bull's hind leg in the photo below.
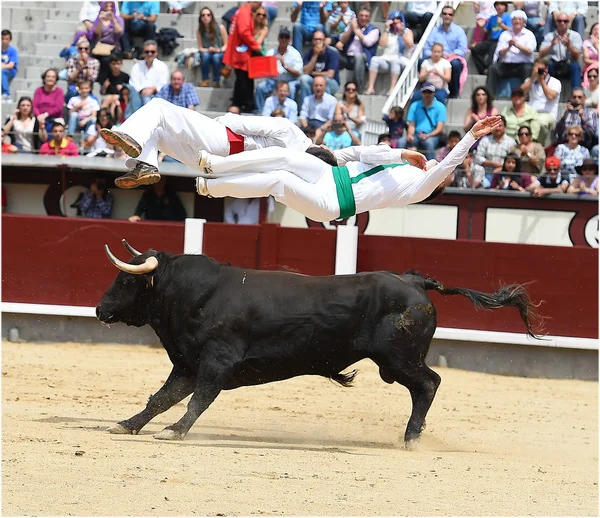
(179, 384)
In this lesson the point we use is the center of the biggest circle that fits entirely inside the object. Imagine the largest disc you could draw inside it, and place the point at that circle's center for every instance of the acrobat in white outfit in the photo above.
(181, 133)
(322, 192)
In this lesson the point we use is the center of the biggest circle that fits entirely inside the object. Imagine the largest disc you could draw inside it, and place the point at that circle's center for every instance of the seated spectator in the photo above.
(81, 67)
(590, 47)
(178, 7)
(338, 21)
(107, 30)
(212, 43)
(535, 21)
(453, 139)
(179, 92)
(571, 154)
(357, 46)
(578, 114)
(463, 174)
(96, 202)
(94, 142)
(59, 145)
(544, 93)
(277, 112)
(384, 138)
(551, 181)
(6, 147)
(591, 92)
(24, 128)
(140, 20)
(454, 40)
(418, 15)
(10, 63)
(111, 85)
(233, 109)
(514, 53)
(519, 114)
(318, 107)
(83, 109)
(483, 51)
(437, 71)
(159, 202)
(576, 13)
(261, 28)
(586, 181)
(336, 134)
(490, 155)
(398, 45)
(129, 102)
(151, 74)
(396, 125)
(531, 154)
(508, 179)
(483, 11)
(313, 16)
(351, 108)
(245, 211)
(320, 61)
(482, 106)
(281, 100)
(289, 69)
(426, 120)
(563, 48)
(48, 100)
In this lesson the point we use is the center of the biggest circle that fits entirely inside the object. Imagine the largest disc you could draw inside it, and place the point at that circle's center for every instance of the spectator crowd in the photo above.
(528, 51)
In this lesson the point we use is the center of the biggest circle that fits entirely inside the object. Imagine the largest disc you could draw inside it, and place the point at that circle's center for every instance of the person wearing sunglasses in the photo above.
(81, 67)
(563, 47)
(551, 181)
(578, 114)
(571, 154)
(576, 12)
(532, 154)
(151, 74)
(591, 90)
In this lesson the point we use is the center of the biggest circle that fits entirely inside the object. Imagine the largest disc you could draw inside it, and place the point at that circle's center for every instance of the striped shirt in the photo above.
(185, 97)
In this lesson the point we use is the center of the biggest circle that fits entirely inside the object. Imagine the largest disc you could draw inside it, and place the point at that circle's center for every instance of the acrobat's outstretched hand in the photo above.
(414, 158)
(485, 126)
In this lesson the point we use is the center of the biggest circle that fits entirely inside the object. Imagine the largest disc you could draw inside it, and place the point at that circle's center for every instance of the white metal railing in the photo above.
(405, 86)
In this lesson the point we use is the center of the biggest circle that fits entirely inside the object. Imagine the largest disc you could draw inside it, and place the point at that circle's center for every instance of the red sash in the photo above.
(236, 142)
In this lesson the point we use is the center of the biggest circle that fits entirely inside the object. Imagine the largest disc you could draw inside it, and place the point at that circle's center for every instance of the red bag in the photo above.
(262, 66)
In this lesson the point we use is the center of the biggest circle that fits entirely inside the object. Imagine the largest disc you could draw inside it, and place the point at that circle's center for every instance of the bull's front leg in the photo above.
(214, 371)
(179, 385)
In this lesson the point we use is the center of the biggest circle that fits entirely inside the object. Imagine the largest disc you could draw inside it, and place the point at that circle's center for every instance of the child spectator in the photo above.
(23, 128)
(59, 145)
(453, 139)
(436, 71)
(338, 20)
(82, 109)
(111, 85)
(94, 142)
(483, 51)
(10, 63)
(508, 179)
(48, 100)
(396, 124)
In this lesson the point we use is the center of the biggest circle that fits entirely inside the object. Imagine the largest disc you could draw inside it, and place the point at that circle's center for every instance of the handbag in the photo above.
(262, 66)
(102, 49)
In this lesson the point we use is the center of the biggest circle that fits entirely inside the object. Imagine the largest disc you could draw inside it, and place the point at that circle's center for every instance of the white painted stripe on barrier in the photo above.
(193, 241)
(442, 333)
(346, 249)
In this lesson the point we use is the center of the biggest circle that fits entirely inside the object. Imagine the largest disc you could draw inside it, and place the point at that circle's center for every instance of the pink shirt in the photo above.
(52, 102)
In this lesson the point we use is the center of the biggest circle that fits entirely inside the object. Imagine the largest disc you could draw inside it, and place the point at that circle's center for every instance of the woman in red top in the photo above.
(240, 47)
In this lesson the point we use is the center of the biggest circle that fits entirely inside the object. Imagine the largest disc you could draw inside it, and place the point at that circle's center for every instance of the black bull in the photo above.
(225, 327)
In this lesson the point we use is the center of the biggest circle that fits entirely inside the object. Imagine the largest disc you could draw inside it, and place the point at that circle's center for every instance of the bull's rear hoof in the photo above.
(169, 435)
(411, 444)
(120, 429)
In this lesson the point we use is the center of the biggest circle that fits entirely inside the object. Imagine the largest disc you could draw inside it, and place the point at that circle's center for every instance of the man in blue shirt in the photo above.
(140, 20)
(10, 62)
(426, 119)
(483, 52)
(454, 40)
(179, 92)
(313, 16)
(319, 107)
(282, 101)
(336, 134)
(320, 61)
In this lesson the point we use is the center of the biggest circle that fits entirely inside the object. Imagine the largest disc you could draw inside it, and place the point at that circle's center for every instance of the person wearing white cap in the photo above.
(514, 53)
(324, 193)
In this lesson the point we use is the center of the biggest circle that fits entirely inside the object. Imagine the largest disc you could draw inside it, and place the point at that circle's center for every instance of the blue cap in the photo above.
(396, 14)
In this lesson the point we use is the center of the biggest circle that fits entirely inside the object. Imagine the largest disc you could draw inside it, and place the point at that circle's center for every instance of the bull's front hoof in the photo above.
(120, 429)
(169, 435)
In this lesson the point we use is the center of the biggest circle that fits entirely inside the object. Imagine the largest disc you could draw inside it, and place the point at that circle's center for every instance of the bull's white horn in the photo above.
(149, 265)
(130, 249)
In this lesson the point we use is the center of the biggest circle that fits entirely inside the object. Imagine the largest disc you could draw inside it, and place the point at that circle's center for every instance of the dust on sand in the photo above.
(494, 445)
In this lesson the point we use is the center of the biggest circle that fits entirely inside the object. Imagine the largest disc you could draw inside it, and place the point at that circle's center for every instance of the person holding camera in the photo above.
(577, 114)
(97, 202)
(563, 48)
(544, 93)
(336, 134)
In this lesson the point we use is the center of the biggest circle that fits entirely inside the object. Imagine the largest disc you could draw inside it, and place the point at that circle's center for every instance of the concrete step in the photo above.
(32, 42)
(31, 60)
(31, 17)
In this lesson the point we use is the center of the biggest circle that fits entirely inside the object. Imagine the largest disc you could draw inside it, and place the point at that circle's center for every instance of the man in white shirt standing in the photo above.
(150, 75)
(544, 93)
(514, 53)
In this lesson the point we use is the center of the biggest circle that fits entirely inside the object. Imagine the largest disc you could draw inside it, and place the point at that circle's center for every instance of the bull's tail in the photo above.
(345, 380)
(513, 295)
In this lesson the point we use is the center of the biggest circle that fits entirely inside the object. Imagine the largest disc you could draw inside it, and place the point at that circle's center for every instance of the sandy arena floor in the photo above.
(493, 446)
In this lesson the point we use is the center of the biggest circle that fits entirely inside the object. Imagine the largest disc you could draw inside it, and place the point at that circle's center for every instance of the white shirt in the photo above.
(539, 101)
(421, 7)
(568, 7)
(525, 38)
(143, 77)
(441, 66)
(292, 59)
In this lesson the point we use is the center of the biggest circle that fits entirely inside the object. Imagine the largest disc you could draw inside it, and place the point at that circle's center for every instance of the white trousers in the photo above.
(181, 133)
